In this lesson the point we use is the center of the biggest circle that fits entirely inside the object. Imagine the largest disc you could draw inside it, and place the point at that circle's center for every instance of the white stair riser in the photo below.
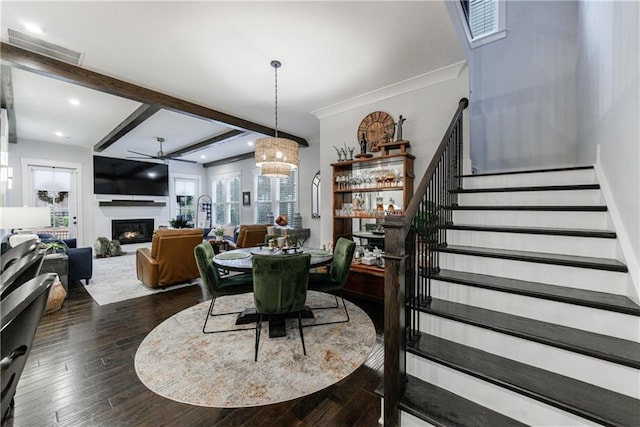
(408, 420)
(605, 322)
(601, 373)
(580, 278)
(533, 198)
(573, 220)
(575, 177)
(514, 405)
(567, 245)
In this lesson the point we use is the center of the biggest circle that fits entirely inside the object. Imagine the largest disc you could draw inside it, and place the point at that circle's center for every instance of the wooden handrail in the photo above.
(400, 271)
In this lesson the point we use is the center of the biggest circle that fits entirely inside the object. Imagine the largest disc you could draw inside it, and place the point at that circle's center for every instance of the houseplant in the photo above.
(179, 222)
(219, 232)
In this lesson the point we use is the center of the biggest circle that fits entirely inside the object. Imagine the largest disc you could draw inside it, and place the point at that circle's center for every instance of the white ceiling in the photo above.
(218, 54)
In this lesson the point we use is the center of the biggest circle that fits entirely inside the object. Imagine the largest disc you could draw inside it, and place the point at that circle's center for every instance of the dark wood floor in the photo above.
(81, 373)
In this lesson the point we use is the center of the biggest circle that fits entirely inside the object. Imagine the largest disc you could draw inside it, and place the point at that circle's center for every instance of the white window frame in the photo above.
(174, 194)
(499, 34)
(275, 194)
(226, 180)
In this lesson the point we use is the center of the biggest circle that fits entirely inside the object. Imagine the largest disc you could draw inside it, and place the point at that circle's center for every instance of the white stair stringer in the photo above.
(619, 325)
(567, 177)
(499, 399)
(548, 219)
(532, 198)
(612, 282)
(601, 373)
(568, 245)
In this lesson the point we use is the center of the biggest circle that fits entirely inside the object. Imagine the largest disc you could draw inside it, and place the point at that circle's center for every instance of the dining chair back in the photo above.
(280, 287)
(216, 286)
(336, 279)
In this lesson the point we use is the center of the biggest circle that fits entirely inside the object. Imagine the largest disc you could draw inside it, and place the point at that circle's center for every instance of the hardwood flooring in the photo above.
(81, 373)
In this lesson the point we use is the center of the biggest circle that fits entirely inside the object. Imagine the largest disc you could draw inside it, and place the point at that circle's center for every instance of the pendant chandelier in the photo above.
(276, 156)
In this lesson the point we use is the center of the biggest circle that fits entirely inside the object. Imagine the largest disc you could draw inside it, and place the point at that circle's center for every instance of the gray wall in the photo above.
(523, 89)
(609, 102)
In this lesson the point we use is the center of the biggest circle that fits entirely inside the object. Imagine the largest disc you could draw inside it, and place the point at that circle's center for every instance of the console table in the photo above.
(302, 234)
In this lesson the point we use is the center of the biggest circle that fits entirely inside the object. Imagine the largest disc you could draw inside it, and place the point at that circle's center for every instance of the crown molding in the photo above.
(421, 81)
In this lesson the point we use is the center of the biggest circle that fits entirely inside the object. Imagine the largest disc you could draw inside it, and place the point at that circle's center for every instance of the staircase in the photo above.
(528, 321)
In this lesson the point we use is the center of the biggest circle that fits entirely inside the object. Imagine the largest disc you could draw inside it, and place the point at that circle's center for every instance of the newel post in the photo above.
(394, 318)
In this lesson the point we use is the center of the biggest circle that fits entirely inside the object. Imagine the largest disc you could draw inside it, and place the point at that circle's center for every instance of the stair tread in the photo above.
(540, 257)
(578, 397)
(616, 350)
(550, 208)
(573, 187)
(515, 172)
(444, 408)
(595, 299)
(577, 232)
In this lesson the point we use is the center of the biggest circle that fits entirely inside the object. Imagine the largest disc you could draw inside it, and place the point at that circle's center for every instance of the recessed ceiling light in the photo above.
(58, 133)
(250, 143)
(33, 28)
(74, 101)
(203, 156)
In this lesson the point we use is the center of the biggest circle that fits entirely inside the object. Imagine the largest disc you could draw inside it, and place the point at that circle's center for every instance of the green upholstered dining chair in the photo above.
(280, 287)
(216, 286)
(336, 278)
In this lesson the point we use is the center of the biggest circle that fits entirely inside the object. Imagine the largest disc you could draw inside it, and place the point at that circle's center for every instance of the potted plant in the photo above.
(179, 222)
(53, 247)
(219, 232)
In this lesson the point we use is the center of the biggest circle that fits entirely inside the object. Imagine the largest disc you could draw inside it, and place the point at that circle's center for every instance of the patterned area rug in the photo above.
(114, 280)
(177, 361)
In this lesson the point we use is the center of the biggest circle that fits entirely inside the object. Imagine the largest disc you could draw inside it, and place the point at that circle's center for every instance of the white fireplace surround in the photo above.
(159, 210)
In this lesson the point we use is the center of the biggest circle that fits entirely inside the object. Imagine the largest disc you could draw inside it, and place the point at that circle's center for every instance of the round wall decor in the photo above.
(377, 127)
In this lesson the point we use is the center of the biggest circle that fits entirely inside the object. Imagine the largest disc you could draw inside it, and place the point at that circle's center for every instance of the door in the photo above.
(56, 188)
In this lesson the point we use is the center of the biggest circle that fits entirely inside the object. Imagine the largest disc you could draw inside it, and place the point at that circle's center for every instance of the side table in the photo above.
(59, 264)
(219, 244)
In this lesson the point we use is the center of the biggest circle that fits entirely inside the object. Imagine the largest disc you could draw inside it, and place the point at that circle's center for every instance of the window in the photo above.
(226, 199)
(485, 20)
(185, 198)
(275, 195)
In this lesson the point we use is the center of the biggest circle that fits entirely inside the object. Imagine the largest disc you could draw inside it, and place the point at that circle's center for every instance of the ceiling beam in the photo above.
(229, 160)
(202, 144)
(6, 102)
(49, 67)
(130, 123)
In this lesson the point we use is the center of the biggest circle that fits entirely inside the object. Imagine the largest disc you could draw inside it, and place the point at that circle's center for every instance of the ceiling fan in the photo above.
(160, 155)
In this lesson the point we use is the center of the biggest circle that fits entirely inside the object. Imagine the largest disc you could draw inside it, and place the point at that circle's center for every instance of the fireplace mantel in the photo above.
(131, 203)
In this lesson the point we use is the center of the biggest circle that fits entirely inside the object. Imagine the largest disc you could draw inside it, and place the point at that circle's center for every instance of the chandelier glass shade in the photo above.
(276, 156)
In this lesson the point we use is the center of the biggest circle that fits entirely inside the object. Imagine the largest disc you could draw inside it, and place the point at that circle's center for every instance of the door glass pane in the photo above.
(52, 188)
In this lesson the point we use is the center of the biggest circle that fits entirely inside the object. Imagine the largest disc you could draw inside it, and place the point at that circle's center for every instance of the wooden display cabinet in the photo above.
(358, 186)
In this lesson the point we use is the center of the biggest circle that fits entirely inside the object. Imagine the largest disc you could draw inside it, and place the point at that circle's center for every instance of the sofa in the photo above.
(170, 259)
(80, 260)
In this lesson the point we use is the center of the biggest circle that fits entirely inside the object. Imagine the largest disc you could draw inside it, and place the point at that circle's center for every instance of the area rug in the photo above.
(114, 280)
(177, 361)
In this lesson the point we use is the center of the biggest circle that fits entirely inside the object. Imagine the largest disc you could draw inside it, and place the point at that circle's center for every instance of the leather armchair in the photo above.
(251, 235)
(170, 259)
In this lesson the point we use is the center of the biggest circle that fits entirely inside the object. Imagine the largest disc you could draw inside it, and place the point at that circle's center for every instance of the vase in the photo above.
(219, 238)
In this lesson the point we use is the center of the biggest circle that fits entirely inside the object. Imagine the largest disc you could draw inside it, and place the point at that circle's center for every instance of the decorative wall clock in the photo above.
(378, 127)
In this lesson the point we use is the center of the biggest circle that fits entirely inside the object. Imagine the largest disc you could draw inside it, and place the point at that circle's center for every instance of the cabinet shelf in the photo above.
(368, 281)
(368, 190)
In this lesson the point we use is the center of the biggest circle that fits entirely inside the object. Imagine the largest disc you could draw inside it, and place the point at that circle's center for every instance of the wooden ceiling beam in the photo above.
(202, 144)
(6, 101)
(136, 118)
(230, 160)
(49, 67)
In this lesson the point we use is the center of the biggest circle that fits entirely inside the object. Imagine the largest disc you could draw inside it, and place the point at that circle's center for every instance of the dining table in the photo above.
(241, 260)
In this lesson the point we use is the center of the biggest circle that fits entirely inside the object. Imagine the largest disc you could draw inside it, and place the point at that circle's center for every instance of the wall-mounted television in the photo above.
(131, 177)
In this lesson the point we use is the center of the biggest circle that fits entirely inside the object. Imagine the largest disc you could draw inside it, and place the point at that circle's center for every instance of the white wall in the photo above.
(523, 89)
(609, 102)
(428, 110)
(94, 220)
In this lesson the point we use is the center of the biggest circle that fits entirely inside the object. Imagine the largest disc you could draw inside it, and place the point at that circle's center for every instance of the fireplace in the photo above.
(132, 230)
